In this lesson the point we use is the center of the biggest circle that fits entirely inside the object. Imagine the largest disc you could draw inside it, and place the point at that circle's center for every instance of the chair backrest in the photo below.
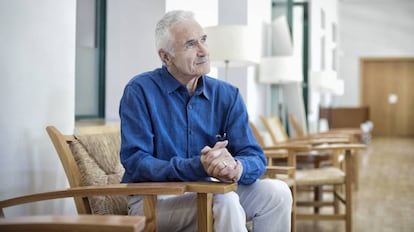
(91, 159)
(296, 125)
(257, 135)
(275, 128)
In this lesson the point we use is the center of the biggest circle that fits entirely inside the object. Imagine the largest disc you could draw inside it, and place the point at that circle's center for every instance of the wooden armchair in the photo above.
(353, 134)
(279, 136)
(91, 163)
(338, 175)
(304, 159)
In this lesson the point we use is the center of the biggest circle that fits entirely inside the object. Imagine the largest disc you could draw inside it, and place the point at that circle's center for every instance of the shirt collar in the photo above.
(170, 84)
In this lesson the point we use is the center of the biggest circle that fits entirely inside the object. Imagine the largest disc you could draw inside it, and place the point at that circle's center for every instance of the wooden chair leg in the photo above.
(336, 191)
(348, 192)
(150, 213)
(355, 169)
(205, 212)
(318, 191)
(318, 197)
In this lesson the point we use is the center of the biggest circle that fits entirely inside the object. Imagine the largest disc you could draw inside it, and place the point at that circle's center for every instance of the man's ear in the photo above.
(165, 57)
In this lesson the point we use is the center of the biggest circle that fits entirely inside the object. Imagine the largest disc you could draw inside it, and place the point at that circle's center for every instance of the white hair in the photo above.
(163, 39)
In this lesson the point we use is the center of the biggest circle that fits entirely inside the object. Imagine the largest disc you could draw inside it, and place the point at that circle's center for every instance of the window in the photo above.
(90, 59)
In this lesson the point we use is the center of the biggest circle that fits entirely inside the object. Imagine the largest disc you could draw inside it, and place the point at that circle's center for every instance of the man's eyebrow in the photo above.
(189, 41)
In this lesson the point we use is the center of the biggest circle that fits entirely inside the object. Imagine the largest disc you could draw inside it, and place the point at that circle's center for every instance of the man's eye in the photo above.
(190, 44)
(203, 40)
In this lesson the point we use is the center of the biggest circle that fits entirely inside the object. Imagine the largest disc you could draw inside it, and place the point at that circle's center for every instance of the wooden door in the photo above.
(387, 87)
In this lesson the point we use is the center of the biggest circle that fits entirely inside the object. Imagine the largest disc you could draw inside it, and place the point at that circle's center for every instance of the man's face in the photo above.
(191, 57)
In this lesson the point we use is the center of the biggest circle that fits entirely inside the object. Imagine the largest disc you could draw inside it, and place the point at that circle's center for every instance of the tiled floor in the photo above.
(385, 199)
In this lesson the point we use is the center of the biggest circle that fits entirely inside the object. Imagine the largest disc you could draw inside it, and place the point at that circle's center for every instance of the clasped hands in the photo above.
(219, 163)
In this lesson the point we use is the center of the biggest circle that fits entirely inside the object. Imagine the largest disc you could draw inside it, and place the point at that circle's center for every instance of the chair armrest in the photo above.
(210, 187)
(349, 146)
(152, 188)
(275, 153)
(204, 190)
(275, 170)
(289, 146)
(321, 140)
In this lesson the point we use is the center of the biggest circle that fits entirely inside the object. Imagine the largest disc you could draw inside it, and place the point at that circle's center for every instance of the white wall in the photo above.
(381, 28)
(37, 70)
(205, 12)
(130, 46)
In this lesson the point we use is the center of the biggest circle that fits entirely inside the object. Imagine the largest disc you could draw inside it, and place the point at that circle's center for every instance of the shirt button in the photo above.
(190, 107)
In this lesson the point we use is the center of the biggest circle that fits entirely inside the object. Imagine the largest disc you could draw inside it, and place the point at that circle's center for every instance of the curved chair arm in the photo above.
(287, 146)
(150, 190)
(349, 146)
(117, 189)
(320, 140)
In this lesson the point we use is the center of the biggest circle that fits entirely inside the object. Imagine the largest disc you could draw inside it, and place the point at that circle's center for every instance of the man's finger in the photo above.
(221, 144)
(205, 150)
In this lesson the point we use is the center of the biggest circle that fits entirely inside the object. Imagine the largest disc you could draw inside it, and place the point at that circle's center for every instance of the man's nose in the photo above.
(202, 49)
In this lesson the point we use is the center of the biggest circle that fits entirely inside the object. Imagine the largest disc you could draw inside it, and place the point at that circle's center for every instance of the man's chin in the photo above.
(203, 71)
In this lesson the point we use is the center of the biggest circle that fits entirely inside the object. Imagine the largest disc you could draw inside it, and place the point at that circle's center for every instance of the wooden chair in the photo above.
(317, 159)
(279, 135)
(339, 176)
(354, 136)
(91, 163)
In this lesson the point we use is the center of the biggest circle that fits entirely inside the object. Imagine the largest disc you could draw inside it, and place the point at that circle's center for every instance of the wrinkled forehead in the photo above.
(186, 30)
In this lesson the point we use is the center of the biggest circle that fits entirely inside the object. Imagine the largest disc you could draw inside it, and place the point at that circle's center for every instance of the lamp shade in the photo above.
(327, 82)
(279, 70)
(231, 45)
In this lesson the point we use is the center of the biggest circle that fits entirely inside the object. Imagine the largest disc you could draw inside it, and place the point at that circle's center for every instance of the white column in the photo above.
(253, 13)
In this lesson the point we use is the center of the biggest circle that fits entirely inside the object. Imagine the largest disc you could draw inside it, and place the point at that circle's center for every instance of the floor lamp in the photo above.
(279, 71)
(231, 46)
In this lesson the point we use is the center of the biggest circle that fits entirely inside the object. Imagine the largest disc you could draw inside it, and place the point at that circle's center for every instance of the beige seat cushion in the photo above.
(289, 181)
(319, 176)
(97, 157)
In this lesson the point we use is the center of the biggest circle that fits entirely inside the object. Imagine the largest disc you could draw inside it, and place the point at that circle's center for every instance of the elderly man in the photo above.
(178, 124)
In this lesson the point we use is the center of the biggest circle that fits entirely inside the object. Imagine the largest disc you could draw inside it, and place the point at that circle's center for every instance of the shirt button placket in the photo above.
(190, 130)
(189, 108)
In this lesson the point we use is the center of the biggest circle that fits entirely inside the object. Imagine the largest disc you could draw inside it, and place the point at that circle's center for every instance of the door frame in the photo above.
(363, 61)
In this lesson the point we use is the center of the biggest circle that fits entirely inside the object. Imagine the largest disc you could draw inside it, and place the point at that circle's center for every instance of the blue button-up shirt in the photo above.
(164, 128)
